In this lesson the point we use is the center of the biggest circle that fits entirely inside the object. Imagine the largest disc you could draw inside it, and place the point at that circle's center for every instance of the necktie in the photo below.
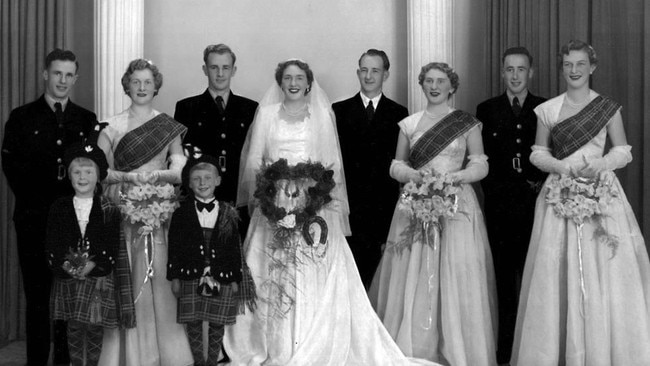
(205, 206)
(370, 110)
(516, 107)
(58, 112)
(220, 104)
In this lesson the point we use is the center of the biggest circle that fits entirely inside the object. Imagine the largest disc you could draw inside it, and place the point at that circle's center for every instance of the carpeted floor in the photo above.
(13, 354)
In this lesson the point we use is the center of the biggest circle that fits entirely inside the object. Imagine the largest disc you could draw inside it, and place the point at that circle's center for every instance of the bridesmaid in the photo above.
(585, 296)
(143, 146)
(436, 296)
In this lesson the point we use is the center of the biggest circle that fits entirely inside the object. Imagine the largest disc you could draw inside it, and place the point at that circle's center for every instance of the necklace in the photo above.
(576, 104)
(294, 113)
(138, 119)
(435, 116)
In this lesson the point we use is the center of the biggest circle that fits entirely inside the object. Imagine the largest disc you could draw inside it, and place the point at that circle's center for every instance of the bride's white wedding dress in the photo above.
(331, 321)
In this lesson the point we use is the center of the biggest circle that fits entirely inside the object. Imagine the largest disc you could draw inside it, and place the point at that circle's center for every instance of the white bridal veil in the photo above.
(322, 145)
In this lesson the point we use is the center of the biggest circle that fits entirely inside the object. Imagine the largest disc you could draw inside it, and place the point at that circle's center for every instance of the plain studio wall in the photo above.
(329, 35)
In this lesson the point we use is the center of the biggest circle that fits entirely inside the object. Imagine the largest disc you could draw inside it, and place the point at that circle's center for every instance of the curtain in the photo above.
(29, 30)
(619, 31)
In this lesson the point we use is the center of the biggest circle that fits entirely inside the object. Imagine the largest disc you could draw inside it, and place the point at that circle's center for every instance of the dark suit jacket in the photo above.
(187, 245)
(220, 136)
(368, 147)
(32, 152)
(102, 233)
(509, 197)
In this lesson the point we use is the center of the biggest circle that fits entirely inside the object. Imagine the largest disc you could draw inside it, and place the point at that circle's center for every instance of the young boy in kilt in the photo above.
(206, 263)
(83, 237)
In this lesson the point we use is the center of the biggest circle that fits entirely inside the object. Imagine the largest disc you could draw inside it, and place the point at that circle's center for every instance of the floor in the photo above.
(13, 354)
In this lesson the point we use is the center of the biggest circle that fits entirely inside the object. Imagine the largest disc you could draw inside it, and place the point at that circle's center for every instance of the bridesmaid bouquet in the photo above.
(148, 205)
(427, 202)
(581, 200)
(578, 199)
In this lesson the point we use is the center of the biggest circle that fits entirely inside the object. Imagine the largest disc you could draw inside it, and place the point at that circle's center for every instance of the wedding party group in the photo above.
(297, 231)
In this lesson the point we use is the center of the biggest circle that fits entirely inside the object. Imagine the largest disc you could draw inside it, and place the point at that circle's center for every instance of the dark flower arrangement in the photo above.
(290, 197)
(318, 181)
(76, 260)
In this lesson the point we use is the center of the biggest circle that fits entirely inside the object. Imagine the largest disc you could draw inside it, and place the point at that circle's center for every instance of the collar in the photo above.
(522, 99)
(51, 101)
(375, 100)
(207, 219)
(225, 96)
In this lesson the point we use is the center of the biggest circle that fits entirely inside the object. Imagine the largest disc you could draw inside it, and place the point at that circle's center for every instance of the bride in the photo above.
(312, 306)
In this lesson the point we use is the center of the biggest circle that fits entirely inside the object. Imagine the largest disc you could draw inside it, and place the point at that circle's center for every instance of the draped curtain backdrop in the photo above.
(619, 31)
(30, 29)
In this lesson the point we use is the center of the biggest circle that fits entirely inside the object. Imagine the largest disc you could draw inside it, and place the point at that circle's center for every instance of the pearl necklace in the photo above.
(435, 116)
(574, 104)
(140, 119)
(295, 113)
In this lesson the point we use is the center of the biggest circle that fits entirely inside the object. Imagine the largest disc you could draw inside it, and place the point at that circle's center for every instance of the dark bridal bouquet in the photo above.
(290, 197)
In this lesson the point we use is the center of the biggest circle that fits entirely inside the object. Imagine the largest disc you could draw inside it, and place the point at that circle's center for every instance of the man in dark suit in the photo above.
(368, 130)
(217, 120)
(36, 136)
(512, 185)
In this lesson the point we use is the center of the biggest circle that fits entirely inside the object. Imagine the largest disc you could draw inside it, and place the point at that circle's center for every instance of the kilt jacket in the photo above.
(102, 235)
(188, 251)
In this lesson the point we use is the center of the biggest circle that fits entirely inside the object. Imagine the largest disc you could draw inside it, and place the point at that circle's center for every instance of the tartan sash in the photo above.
(142, 144)
(121, 273)
(574, 132)
(438, 137)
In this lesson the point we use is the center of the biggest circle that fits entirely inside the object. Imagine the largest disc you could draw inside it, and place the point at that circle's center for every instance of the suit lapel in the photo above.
(71, 217)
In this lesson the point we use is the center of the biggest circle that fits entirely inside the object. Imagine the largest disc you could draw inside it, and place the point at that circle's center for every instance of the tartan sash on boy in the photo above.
(143, 143)
(438, 137)
(574, 132)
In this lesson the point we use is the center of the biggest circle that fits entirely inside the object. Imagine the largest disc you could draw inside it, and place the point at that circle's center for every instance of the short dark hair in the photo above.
(440, 66)
(142, 64)
(517, 51)
(61, 55)
(220, 49)
(375, 52)
(577, 45)
(301, 65)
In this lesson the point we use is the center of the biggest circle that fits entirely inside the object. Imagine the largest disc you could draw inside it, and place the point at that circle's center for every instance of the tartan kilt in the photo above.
(71, 299)
(221, 309)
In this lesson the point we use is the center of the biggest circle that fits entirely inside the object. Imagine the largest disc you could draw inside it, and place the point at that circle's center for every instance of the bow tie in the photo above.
(207, 206)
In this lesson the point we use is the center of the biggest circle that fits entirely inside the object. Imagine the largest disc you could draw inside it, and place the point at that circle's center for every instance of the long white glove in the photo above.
(171, 175)
(477, 168)
(541, 157)
(116, 176)
(403, 173)
(617, 157)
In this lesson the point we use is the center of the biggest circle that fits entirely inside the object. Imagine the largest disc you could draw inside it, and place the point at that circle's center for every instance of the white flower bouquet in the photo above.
(435, 197)
(149, 205)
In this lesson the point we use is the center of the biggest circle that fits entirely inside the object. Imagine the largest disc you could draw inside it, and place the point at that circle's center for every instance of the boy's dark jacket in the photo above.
(187, 247)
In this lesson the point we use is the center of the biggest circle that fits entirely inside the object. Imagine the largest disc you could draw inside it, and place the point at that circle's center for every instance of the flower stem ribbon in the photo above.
(149, 255)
